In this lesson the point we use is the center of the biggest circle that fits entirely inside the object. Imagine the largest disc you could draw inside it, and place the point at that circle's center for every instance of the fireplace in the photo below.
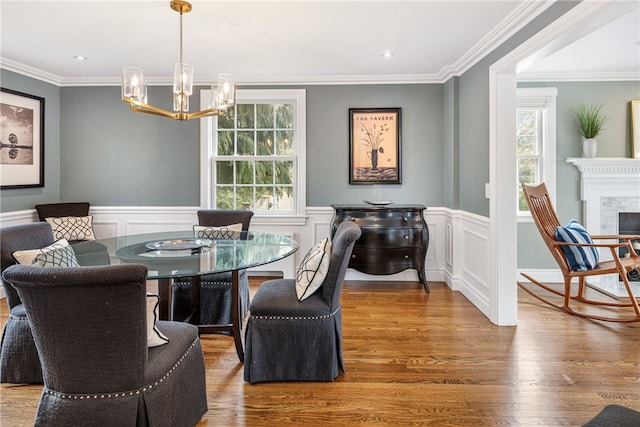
(609, 189)
(629, 224)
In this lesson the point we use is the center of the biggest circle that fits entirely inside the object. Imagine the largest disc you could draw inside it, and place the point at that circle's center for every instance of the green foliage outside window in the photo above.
(255, 131)
(527, 152)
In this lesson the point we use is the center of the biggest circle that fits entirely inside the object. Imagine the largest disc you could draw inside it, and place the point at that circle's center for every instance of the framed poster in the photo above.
(374, 146)
(634, 107)
(21, 140)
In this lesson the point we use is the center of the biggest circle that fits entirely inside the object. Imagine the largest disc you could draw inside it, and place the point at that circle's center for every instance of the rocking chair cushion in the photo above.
(580, 258)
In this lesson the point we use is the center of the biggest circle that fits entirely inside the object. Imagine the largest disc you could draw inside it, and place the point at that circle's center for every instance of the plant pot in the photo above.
(589, 148)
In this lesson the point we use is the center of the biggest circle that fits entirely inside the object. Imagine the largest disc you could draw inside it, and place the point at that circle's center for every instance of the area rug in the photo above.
(615, 416)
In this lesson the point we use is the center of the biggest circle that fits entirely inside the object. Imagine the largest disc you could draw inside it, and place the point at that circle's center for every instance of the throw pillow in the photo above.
(154, 336)
(313, 269)
(580, 258)
(72, 228)
(225, 232)
(61, 257)
(29, 256)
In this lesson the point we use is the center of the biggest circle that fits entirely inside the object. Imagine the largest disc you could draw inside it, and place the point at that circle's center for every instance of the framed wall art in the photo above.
(21, 140)
(634, 108)
(374, 146)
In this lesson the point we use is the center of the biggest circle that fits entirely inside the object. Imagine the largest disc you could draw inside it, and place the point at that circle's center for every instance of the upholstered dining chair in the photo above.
(207, 300)
(90, 326)
(19, 361)
(291, 340)
(78, 230)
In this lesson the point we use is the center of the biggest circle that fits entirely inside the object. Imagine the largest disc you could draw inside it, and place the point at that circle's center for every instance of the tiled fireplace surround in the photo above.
(608, 186)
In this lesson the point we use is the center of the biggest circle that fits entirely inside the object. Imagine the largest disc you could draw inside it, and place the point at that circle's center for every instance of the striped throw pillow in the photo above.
(580, 258)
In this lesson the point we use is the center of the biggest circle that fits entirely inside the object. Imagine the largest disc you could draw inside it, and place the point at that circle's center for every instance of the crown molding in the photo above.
(29, 71)
(510, 25)
(514, 22)
(570, 76)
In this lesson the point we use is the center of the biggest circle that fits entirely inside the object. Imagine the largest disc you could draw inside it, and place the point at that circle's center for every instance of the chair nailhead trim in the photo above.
(326, 316)
(48, 391)
(11, 316)
(89, 253)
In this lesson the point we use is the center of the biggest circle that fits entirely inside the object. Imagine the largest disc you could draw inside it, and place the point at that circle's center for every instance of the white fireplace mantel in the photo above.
(612, 175)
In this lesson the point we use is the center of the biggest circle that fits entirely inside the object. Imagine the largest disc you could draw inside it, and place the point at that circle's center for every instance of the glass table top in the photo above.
(180, 254)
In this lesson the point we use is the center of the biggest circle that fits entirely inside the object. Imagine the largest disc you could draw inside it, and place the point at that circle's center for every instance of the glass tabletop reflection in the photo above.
(179, 254)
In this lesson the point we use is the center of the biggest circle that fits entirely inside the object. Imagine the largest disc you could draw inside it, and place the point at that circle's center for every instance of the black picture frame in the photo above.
(375, 150)
(21, 140)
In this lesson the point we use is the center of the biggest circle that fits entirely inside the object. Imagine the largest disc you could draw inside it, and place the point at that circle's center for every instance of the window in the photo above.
(257, 154)
(535, 142)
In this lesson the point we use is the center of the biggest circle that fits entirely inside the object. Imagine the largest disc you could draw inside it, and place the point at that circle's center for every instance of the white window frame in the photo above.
(542, 98)
(208, 140)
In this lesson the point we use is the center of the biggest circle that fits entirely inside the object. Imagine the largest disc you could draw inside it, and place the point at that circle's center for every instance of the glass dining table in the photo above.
(175, 254)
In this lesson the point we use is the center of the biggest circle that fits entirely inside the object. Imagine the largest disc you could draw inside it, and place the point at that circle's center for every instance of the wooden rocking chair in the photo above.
(546, 220)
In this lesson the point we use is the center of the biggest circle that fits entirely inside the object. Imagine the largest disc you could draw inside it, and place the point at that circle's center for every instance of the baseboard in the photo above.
(542, 275)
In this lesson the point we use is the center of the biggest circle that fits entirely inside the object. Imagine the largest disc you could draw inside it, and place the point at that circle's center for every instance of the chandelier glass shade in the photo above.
(134, 87)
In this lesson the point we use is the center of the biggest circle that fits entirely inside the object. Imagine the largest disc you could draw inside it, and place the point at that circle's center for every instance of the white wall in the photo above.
(457, 255)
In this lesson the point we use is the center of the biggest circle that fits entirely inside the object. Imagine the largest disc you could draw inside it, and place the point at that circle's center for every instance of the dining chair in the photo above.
(77, 228)
(207, 300)
(90, 326)
(291, 340)
(19, 361)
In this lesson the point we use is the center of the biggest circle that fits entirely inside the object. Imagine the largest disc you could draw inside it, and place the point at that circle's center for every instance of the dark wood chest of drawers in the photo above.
(394, 238)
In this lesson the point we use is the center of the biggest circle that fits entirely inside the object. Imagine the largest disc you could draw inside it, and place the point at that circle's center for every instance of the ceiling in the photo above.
(287, 41)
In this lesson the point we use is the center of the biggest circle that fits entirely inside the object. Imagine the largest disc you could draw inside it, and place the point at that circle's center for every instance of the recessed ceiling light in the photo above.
(80, 58)
(387, 54)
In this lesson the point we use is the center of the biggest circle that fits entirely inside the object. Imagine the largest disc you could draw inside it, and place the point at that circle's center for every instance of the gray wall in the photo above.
(328, 143)
(26, 198)
(615, 141)
(110, 156)
(473, 118)
(113, 157)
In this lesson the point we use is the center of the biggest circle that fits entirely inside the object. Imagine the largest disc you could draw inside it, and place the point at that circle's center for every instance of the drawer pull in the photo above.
(406, 237)
(406, 257)
(404, 218)
(353, 257)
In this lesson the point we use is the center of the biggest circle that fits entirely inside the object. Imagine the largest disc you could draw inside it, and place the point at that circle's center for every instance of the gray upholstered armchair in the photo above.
(87, 250)
(207, 299)
(291, 340)
(19, 362)
(90, 329)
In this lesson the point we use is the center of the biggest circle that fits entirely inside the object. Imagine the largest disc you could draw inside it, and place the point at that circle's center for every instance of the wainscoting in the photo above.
(458, 251)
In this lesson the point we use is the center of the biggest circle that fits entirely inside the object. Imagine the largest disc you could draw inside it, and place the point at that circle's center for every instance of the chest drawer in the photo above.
(394, 238)
(372, 219)
(381, 237)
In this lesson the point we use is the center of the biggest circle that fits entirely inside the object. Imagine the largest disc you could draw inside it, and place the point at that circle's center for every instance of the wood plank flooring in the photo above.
(424, 359)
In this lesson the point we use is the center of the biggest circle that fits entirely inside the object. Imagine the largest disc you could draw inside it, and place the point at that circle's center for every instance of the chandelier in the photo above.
(134, 88)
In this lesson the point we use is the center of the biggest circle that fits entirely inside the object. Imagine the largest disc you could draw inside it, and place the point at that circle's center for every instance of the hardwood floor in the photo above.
(425, 359)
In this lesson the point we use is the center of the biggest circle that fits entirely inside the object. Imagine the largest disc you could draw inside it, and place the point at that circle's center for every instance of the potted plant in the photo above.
(590, 124)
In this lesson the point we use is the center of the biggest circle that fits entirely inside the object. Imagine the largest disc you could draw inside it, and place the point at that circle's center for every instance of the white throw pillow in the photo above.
(72, 228)
(225, 232)
(30, 256)
(313, 269)
(154, 336)
(61, 257)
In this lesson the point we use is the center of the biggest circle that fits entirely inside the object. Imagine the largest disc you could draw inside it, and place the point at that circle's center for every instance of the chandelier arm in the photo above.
(211, 112)
(141, 107)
